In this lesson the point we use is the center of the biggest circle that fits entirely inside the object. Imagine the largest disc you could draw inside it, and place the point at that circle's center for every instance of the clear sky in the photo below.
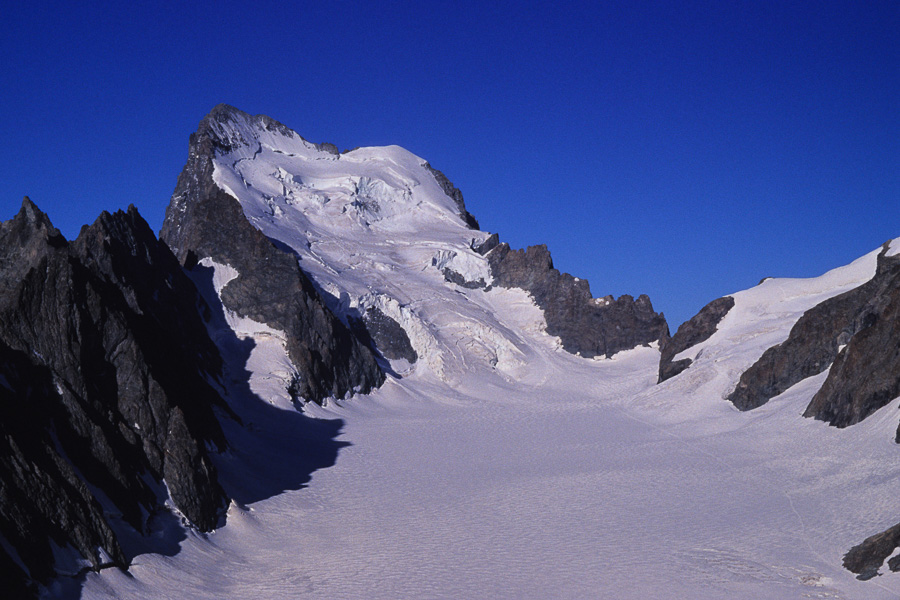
(680, 149)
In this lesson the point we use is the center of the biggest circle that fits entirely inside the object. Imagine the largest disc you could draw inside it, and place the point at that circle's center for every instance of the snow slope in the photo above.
(761, 317)
(373, 227)
(500, 465)
(556, 489)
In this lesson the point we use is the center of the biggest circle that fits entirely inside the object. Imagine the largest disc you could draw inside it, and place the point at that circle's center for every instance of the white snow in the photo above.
(553, 487)
(894, 248)
(268, 363)
(500, 466)
(374, 226)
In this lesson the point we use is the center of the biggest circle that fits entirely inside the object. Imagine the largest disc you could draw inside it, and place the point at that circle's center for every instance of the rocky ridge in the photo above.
(108, 389)
(853, 336)
(453, 192)
(586, 325)
(865, 373)
(690, 333)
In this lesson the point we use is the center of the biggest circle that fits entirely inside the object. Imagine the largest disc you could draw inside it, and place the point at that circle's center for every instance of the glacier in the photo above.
(499, 464)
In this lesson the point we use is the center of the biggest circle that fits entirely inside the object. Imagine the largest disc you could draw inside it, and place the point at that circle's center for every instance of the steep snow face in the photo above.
(372, 227)
(893, 247)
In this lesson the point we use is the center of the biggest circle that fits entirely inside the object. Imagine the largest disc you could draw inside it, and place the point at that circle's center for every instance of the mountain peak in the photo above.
(31, 224)
(31, 214)
(230, 128)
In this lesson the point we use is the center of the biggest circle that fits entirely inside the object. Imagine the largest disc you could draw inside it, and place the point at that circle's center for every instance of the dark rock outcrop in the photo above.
(42, 498)
(866, 558)
(388, 336)
(457, 278)
(866, 372)
(203, 221)
(487, 245)
(690, 333)
(106, 367)
(843, 330)
(585, 325)
(453, 192)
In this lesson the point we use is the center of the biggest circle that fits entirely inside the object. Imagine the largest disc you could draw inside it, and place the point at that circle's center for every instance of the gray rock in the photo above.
(104, 338)
(866, 373)
(586, 326)
(388, 336)
(853, 391)
(690, 333)
(457, 278)
(329, 148)
(865, 559)
(203, 221)
(41, 496)
(487, 245)
(894, 564)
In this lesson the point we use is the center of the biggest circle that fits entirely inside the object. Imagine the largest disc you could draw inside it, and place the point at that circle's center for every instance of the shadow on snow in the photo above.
(270, 450)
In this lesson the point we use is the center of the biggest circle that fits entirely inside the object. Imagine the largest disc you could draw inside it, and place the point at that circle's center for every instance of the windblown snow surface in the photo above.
(499, 465)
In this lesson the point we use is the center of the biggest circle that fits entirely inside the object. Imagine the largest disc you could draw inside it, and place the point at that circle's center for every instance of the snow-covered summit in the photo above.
(380, 229)
(378, 234)
(386, 187)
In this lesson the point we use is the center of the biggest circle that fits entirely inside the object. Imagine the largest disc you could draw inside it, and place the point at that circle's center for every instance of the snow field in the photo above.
(555, 490)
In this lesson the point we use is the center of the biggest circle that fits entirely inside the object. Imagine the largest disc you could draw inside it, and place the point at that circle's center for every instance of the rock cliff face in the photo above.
(586, 325)
(42, 498)
(865, 374)
(388, 336)
(866, 558)
(202, 221)
(106, 369)
(853, 334)
(698, 329)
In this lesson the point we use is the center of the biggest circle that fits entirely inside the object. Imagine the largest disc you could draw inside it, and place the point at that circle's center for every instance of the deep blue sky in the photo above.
(679, 149)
